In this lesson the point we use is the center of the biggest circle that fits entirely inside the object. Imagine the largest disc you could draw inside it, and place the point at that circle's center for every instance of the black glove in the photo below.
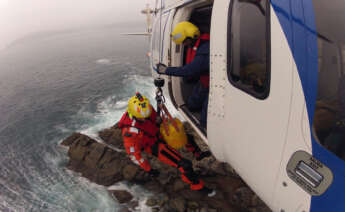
(203, 155)
(161, 68)
(154, 173)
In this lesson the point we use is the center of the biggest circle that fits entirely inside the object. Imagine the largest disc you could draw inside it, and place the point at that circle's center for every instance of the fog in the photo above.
(19, 18)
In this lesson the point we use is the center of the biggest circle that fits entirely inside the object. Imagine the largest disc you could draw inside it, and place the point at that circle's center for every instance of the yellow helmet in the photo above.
(139, 107)
(175, 139)
(184, 30)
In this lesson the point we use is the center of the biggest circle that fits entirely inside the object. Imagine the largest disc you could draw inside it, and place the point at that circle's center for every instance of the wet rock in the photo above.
(112, 136)
(153, 186)
(151, 202)
(179, 185)
(156, 209)
(178, 204)
(260, 209)
(189, 194)
(103, 165)
(162, 201)
(243, 197)
(208, 210)
(122, 196)
(68, 141)
(95, 161)
(79, 148)
(164, 178)
(220, 205)
(192, 205)
(95, 154)
(125, 210)
(227, 184)
(133, 204)
(129, 172)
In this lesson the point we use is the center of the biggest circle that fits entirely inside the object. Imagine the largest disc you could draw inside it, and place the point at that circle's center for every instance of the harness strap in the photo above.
(191, 52)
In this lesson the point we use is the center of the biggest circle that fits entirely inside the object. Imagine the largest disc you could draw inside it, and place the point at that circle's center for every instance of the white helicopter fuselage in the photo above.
(267, 136)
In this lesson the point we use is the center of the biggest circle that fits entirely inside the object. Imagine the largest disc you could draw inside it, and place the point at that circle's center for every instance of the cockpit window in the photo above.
(329, 117)
(249, 46)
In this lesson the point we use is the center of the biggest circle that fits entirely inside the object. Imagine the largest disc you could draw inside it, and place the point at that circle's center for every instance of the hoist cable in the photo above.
(160, 32)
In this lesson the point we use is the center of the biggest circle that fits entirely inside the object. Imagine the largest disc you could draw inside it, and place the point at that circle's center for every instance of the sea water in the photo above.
(51, 86)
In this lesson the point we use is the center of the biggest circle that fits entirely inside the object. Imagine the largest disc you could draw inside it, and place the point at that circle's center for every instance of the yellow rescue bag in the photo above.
(174, 138)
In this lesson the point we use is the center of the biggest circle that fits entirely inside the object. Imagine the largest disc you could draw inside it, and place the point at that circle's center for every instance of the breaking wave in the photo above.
(103, 61)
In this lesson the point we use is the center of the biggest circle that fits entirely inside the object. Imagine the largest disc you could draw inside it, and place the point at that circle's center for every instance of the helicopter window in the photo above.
(249, 46)
(329, 117)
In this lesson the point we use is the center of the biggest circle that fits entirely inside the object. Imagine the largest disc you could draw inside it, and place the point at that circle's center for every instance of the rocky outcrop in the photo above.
(122, 196)
(106, 163)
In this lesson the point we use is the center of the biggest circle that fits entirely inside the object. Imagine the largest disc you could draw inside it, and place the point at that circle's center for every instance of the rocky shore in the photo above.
(107, 163)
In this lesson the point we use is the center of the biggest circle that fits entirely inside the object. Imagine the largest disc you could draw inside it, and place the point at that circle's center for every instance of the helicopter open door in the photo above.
(179, 89)
(250, 95)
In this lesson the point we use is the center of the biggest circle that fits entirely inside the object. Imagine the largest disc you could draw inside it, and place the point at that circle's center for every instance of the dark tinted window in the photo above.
(248, 46)
(329, 118)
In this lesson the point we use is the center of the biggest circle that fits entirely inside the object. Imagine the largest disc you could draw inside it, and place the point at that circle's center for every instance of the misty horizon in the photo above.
(124, 27)
(20, 19)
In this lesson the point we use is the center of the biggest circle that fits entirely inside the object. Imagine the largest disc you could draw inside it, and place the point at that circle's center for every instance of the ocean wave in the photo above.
(103, 61)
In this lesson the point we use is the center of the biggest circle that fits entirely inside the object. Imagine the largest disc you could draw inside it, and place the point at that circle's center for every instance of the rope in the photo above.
(160, 32)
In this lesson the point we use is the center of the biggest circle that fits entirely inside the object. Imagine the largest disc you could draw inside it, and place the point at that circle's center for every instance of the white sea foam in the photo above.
(103, 61)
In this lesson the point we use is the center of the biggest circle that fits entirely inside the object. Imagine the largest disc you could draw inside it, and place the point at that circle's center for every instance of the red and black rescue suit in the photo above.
(141, 136)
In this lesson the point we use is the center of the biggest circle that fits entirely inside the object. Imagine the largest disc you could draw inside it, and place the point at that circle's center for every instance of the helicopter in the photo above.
(275, 96)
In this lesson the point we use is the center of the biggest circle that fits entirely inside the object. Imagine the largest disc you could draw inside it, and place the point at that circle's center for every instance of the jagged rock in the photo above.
(162, 201)
(230, 171)
(192, 205)
(122, 196)
(109, 176)
(164, 178)
(243, 197)
(151, 202)
(156, 210)
(178, 204)
(95, 161)
(208, 210)
(79, 148)
(153, 186)
(189, 194)
(125, 210)
(68, 141)
(141, 177)
(112, 136)
(179, 185)
(220, 205)
(105, 166)
(133, 204)
(95, 154)
(129, 172)
(227, 184)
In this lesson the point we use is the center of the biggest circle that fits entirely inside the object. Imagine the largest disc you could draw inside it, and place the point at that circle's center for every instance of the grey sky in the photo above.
(22, 17)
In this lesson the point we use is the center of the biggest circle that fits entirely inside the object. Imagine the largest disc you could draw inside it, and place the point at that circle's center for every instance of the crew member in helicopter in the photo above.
(197, 65)
(140, 132)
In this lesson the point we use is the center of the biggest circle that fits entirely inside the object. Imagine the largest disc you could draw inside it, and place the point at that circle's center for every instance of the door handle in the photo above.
(309, 173)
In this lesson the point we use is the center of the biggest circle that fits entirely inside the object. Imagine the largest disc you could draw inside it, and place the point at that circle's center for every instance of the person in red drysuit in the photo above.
(141, 133)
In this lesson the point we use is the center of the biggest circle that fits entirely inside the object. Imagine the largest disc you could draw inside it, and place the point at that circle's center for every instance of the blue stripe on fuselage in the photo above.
(297, 19)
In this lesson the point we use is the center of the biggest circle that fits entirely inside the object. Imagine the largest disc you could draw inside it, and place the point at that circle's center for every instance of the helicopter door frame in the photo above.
(183, 13)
